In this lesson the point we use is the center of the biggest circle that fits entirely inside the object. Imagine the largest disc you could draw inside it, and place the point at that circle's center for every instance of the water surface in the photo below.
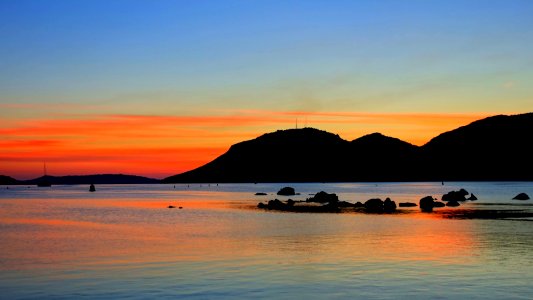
(122, 242)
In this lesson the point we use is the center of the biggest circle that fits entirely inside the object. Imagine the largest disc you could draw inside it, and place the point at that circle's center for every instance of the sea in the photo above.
(123, 242)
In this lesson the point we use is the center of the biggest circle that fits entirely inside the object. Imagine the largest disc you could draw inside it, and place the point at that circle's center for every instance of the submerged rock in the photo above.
(426, 204)
(323, 197)
(407, 204)
(521, 196)
(286, 191)
(171, 206)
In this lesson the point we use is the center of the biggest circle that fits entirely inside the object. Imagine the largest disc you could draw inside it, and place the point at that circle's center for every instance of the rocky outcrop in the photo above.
(287, 191)
(377, 205)
(323, 197)
(407, 204)
(521, 196)
(472, 197)
(452, 203)
(389, 205)
(438, 204)
(260, 194)
(459, 195)
(290, 205)
(426, 204)
(374, 205)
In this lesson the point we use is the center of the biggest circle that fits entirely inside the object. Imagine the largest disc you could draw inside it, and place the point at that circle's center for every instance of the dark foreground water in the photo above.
(122, 242)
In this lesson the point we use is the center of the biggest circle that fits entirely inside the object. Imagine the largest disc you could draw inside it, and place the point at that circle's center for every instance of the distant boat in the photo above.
(44, 182)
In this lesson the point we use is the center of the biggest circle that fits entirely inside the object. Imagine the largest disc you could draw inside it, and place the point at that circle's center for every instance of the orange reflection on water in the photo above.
(51, 222)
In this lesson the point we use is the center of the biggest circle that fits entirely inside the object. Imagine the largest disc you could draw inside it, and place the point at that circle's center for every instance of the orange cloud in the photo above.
(160, 145)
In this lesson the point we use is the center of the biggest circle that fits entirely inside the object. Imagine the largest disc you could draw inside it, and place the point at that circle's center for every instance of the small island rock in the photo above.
(459, 195)
(374, 205)
(287, 191)
(426, 204)
(323, 197)
(521, 196)
(92, 188)
(260, 194)
(389, 205)
(472, 197)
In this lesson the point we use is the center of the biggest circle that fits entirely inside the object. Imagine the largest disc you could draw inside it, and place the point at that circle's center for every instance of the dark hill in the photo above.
(495, 148)
(95, 179)
(285, 155)
(374, 157)
(6, 180)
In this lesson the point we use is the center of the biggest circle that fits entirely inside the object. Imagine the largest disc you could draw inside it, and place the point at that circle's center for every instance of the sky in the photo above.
(156, 88)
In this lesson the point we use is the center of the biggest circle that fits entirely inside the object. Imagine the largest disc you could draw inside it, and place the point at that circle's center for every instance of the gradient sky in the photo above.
(159, 87)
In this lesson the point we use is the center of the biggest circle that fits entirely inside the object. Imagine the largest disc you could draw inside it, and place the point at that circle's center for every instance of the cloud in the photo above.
(169, 144)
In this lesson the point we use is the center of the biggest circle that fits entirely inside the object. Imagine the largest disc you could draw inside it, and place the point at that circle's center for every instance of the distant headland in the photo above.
(82, 179)
(496, 148)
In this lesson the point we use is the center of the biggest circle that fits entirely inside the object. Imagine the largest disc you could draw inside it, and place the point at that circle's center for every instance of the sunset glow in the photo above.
(160, 146)
(167, 86)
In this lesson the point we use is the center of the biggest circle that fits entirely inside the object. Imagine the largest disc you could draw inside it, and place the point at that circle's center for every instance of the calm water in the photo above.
(122, 242)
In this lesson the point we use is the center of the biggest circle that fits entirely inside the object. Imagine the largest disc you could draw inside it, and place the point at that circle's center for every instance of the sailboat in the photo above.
(44, 182)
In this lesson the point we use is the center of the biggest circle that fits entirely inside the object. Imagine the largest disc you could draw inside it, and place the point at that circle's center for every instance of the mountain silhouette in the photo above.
(6, 180)
(495, 148)
(93, 179)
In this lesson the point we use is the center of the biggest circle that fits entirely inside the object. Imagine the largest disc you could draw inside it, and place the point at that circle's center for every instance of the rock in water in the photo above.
(323, 197)
(426, 204)
(438, 204)
(374, 205)
(521, 196)
(452, 203)
(92, 188)
(407, 204)
(472, 197)
(459, 195)
(287, 191)
(260, 194)
(389, 205)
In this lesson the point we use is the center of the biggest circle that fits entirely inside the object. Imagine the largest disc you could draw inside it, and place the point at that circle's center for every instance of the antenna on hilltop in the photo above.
(296, 123)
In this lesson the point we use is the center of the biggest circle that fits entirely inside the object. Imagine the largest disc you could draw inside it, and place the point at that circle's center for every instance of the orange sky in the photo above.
(164, 145)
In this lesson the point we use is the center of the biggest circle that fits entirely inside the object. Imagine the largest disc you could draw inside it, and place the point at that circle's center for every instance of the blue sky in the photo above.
(252, 52)
(160, 87)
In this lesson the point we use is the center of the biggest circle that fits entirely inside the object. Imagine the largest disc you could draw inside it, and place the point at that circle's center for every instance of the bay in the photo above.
(123, 242)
